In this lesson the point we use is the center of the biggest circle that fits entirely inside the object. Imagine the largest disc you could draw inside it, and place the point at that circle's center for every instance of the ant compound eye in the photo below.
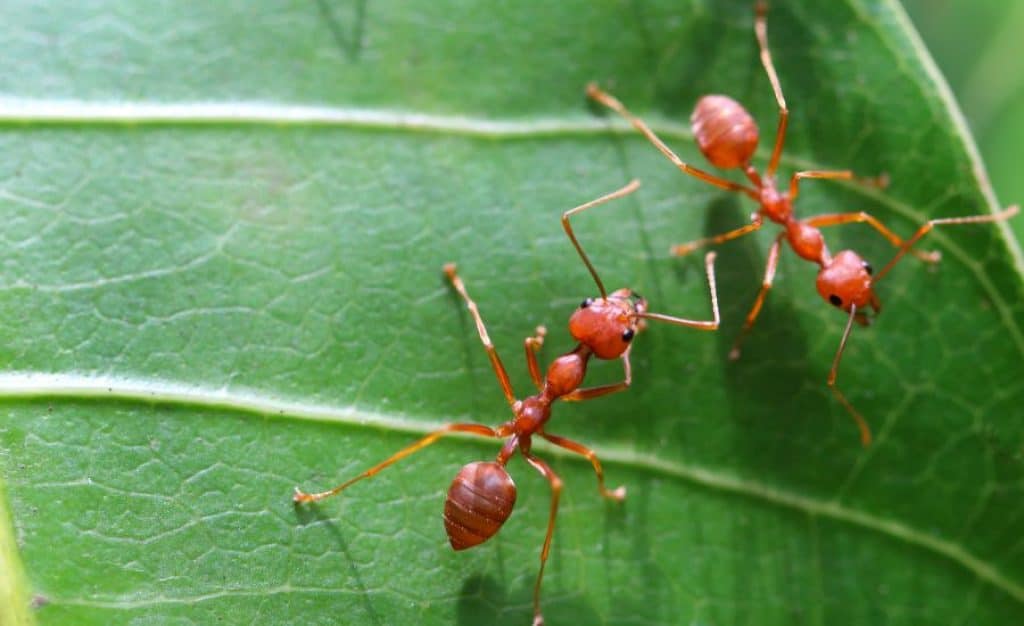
(835, 300)
(867, 268)
(627, 336)
(586, 303)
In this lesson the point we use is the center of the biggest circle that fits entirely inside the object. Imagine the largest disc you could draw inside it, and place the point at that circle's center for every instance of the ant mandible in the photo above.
(727, 136)
(482, 495)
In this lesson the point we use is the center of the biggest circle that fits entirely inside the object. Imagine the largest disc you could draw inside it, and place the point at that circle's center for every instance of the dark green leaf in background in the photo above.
(979, 48)
(224, 228)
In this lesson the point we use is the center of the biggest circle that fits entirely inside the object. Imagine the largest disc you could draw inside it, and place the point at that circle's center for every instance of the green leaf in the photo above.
(988, 78)
(224, 229)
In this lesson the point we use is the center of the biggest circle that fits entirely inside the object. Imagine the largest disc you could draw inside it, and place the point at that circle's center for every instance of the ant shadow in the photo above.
(649, 588)
(767, 400)
(350, 43)
(771, 370)
(843, 131)
(309, 515)
(483, 601)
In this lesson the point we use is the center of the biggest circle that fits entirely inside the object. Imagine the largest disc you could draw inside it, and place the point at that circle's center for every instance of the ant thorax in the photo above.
(807, 242)
(775, 205)
(607, 325)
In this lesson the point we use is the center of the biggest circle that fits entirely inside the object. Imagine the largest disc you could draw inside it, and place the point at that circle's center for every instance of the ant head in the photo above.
(607, 325)
(845, 280)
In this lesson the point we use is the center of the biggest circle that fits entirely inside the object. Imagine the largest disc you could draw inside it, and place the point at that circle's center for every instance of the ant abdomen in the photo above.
(479, 501)
(565, 374)
(724, 131)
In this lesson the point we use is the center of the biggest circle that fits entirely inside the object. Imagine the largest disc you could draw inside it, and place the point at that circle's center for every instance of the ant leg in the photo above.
(590, 393)
(865, 431)
(632, 186)
(686, 248)
(595, 92)
(619, 494)
(475, 429)
(556, 492)
(709, 268)
(532, 345)
(492, 352)
(761, 31)
(880, 182)
(766, 284)
(838, 219)
(927, 227)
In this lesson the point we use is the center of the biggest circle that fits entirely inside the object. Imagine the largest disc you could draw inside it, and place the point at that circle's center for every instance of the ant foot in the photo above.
(534, 343)
(682, 249)
(734, 354)
(449, 270)
(538, 620)
(618, 494)
(301, 497)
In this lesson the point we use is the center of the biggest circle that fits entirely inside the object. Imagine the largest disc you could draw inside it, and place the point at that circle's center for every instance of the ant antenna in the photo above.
(865, 431)
(618, 193)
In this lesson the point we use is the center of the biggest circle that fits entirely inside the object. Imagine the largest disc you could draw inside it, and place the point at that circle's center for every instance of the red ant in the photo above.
(727, 136)
(482, 495)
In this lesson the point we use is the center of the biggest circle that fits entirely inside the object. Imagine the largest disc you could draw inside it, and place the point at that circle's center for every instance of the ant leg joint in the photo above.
(301, 497)
(537, 340)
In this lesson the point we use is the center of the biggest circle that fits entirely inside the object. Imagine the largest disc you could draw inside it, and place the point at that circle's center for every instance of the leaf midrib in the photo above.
(28, 385)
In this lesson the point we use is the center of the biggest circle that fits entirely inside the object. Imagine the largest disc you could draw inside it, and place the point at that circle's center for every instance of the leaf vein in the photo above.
(70, 387)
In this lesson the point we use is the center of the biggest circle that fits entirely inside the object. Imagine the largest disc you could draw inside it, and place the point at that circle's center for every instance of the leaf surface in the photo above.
(224, 231)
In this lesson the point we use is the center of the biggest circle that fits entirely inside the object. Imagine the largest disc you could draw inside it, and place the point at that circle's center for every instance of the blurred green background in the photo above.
(979, 46)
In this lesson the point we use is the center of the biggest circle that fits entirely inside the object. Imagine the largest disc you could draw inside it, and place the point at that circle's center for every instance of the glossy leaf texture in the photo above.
(224, 226)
